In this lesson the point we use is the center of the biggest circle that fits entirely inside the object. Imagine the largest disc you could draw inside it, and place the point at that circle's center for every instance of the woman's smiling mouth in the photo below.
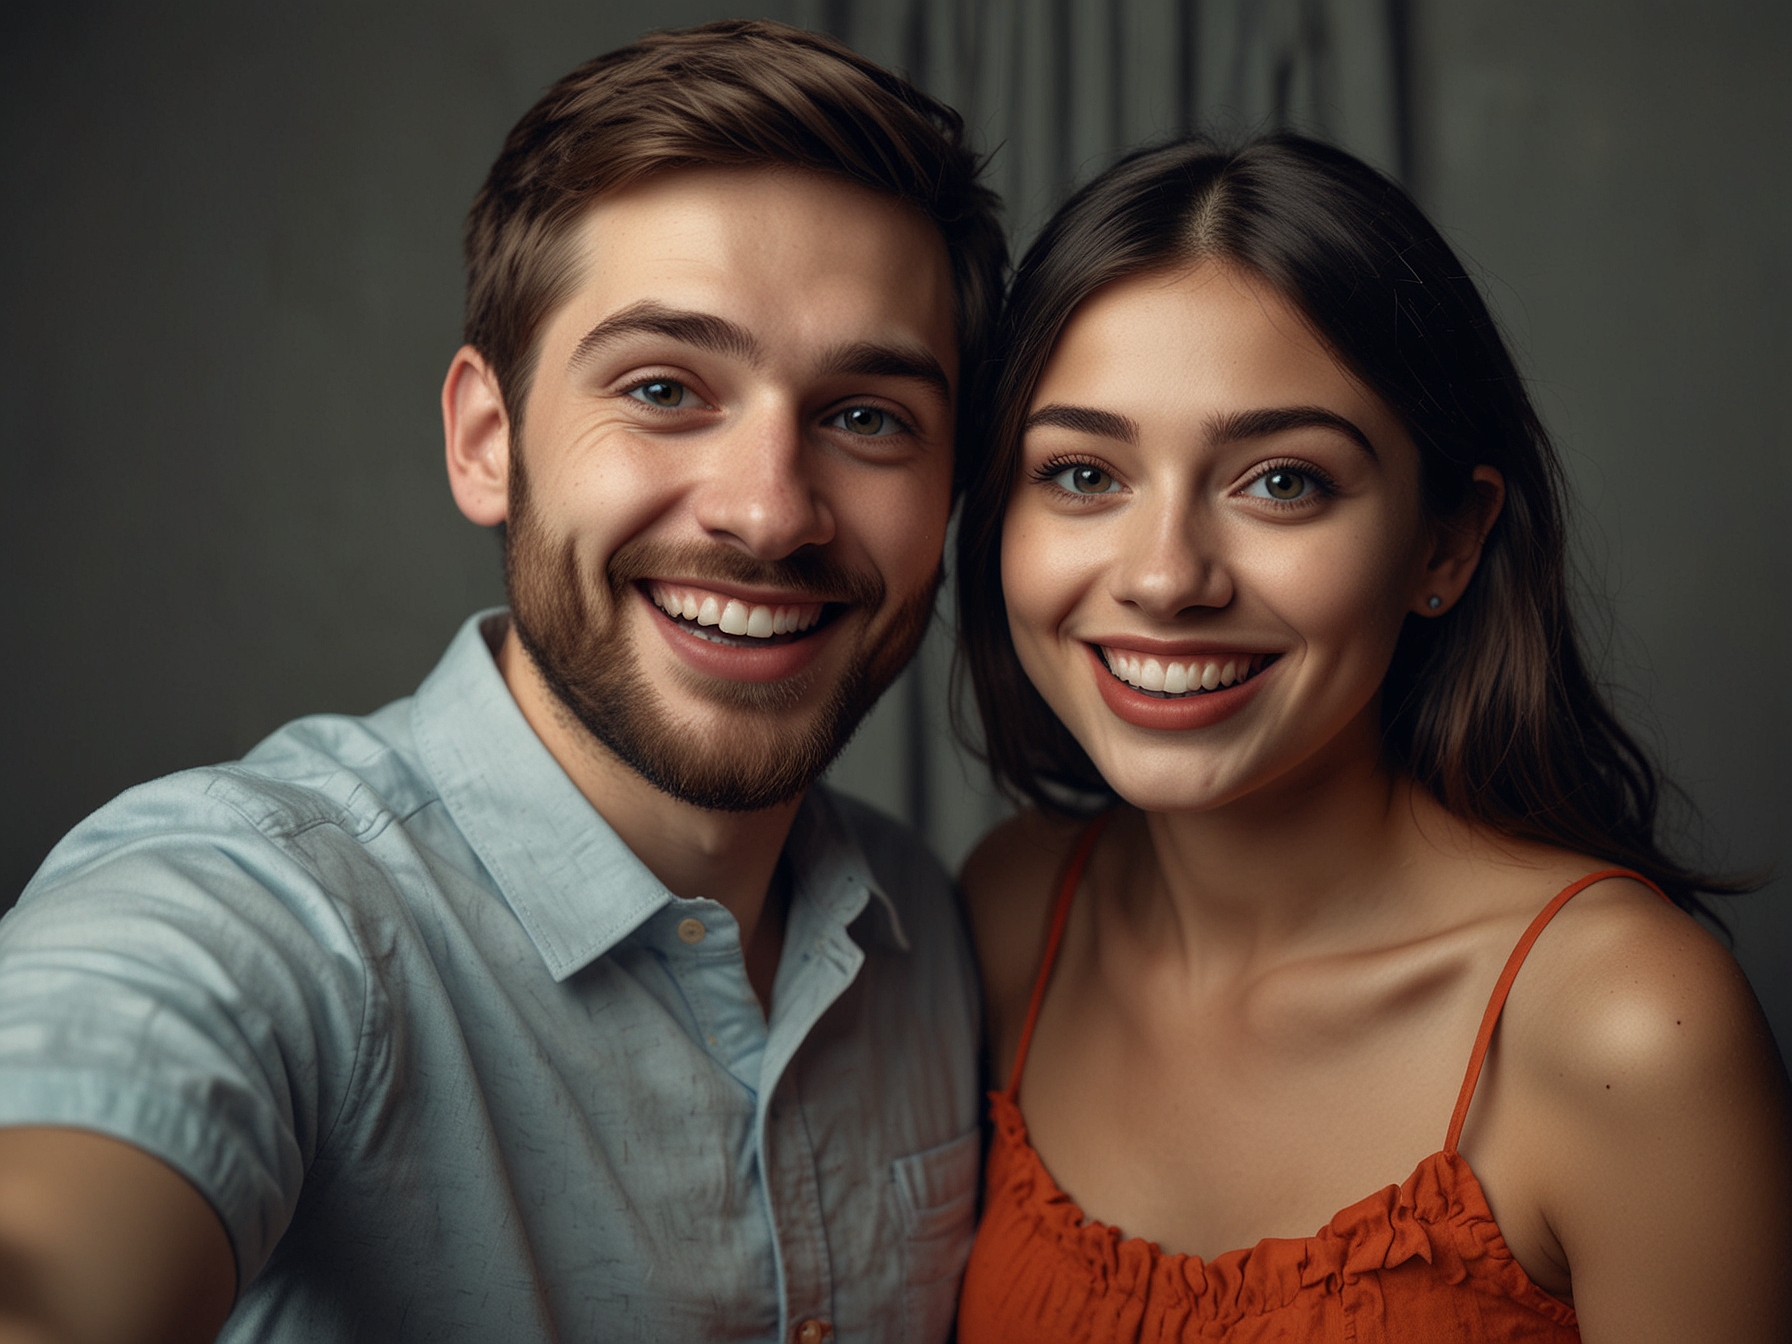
(1176, 678)
(1119, 671)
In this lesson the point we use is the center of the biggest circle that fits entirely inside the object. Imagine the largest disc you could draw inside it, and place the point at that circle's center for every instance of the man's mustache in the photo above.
(817, 576)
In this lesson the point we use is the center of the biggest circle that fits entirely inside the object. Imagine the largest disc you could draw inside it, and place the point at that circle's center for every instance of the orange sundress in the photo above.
(1420, 1261)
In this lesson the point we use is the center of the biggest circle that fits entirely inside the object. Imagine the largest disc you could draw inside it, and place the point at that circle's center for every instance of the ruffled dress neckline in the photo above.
(1419, 1261)
(1438, 1215)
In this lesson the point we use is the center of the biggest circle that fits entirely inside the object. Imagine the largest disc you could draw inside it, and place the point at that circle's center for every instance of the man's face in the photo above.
(729, 492)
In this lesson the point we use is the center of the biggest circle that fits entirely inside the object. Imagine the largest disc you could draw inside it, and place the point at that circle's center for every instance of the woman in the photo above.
(1268, 557)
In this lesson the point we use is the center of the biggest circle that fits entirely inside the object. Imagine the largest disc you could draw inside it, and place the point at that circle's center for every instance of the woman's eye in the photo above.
(1283, 484)
(867, 422)
(665, 393)
(1084, 479)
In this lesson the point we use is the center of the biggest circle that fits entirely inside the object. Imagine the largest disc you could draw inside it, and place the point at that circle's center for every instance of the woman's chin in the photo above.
(1171, 785)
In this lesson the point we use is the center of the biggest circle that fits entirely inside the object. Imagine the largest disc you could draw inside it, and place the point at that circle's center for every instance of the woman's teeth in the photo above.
(731, 616)
(1163, 677)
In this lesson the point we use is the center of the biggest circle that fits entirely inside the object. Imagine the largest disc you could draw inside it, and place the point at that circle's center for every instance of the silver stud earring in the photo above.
(1434, 602)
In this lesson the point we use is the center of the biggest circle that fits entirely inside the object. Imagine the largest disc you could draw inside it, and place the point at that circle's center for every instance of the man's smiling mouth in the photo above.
(1180, 678)
(723, 619)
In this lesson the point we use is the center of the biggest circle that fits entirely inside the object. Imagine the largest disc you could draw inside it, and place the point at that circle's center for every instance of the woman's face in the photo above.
(1214, 538)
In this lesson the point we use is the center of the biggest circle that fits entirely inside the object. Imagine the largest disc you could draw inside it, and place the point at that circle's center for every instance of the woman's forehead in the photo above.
(1210, 337)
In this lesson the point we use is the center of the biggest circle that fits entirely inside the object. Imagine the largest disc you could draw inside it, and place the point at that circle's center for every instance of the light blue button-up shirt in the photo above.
(450, 1063)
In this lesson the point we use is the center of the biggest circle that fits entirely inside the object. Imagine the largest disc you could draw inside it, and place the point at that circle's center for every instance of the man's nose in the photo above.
(1172, 559)
(759, 489)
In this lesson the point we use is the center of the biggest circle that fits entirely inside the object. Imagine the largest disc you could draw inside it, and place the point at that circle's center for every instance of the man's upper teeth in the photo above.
(732, 616)
(1162, 674)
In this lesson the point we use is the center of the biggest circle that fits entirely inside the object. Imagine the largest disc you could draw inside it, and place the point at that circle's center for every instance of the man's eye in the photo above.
(1084, 479)
(867, 422)
(666, 393)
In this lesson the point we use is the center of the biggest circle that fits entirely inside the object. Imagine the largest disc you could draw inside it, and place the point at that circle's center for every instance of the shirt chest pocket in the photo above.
(936, 1190)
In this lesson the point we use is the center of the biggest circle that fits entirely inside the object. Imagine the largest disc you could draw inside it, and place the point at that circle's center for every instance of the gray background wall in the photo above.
(229, 285)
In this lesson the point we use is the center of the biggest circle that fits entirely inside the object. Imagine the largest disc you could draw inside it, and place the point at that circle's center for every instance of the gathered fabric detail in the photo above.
(1412, 1263)
(1041, 1270)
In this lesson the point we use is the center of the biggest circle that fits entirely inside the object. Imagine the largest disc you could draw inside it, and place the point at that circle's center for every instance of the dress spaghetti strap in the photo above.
(1073, 875)
(1490, 1019)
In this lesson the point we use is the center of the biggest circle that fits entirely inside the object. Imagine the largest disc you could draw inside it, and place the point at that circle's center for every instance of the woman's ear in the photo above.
(476, 428)
(1456, 548)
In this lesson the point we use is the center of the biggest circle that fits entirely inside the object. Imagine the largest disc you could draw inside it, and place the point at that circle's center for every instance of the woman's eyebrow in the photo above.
(1085, 420)
(1259, 424)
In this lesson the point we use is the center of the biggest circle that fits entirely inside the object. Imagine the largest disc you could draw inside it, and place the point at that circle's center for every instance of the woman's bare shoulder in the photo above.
(1623, 981)
(1009, 881)
(1645, 1057)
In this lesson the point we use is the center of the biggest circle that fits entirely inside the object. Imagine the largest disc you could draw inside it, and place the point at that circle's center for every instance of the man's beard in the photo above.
(576, 633)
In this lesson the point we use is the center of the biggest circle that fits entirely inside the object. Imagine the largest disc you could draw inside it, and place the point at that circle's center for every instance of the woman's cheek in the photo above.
(1341, 591)
(1044, 576)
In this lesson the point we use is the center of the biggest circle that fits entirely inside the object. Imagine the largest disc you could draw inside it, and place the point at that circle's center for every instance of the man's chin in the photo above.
(717, 707)
(717, 742)
(736, 757)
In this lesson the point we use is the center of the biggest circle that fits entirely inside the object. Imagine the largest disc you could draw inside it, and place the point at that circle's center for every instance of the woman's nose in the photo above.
(1172, 560)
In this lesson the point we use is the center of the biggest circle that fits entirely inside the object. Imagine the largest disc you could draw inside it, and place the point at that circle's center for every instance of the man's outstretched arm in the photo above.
(100, 1243)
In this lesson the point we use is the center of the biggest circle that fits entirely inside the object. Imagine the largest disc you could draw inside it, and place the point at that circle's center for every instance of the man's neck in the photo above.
(730, 858)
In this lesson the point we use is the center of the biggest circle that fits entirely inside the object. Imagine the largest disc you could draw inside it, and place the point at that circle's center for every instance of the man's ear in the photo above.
(1456, 549)
(476, 428)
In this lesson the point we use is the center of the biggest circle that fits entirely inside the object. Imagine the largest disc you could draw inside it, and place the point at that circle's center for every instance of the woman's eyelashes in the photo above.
(1076, 477)
(1289, 484)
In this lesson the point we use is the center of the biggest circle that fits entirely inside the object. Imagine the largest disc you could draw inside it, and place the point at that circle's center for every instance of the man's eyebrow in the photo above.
(652, 318)
(1085, 420)
(875, 359)
(1259, 424)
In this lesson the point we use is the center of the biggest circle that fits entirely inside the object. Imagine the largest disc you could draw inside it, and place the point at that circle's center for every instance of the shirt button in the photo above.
(813, 1331)
(692, 931)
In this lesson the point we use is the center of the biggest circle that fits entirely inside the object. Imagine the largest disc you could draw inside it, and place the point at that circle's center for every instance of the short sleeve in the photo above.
(177, 977)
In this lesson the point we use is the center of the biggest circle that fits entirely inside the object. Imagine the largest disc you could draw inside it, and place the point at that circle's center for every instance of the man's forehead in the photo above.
(760, 189)
(764, 245)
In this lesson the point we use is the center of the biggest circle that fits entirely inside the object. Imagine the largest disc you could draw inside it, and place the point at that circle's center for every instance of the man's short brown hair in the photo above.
(737, 93)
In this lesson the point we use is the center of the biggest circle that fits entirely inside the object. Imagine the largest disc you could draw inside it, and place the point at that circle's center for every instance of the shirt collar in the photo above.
(576, 888)
(828, 862)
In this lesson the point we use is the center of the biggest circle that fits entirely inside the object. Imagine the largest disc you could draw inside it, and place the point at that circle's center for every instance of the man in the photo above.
(555, 1002)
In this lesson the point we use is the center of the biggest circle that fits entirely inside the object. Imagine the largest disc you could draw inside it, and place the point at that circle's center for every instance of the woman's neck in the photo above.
(1325, 857)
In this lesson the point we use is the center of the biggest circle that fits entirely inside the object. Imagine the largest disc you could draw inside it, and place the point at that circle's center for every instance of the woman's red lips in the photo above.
(1164, 700)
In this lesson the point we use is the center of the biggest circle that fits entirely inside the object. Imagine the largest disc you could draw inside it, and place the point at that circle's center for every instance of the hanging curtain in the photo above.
(1053, 91)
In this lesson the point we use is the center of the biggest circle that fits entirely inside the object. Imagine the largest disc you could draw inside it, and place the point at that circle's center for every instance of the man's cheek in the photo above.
(907, 535)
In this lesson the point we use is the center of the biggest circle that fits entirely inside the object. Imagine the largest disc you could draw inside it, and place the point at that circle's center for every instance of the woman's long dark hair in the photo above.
(1490, 706)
